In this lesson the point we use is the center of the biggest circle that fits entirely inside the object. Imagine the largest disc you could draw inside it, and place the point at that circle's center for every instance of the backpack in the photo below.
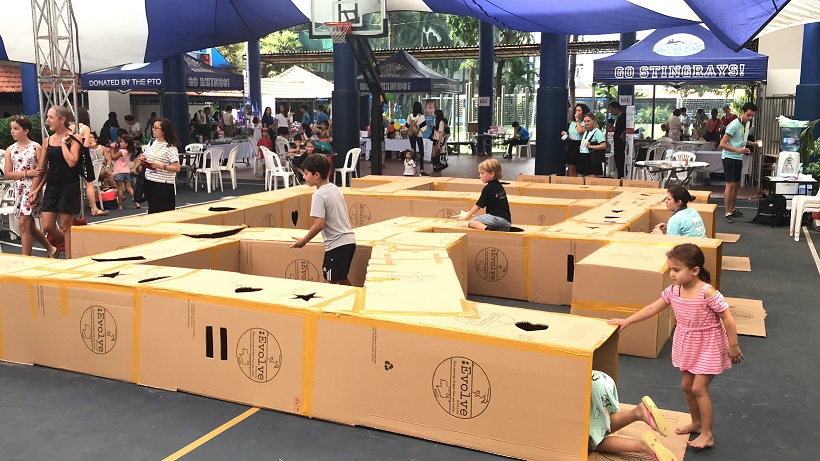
(412, 128)
(771, 211)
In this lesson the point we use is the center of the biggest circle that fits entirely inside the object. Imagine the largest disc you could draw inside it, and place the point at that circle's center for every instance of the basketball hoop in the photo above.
(338, 31)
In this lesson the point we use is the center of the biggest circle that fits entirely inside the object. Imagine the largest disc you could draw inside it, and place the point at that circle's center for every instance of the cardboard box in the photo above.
(575, 180)
(496, 261)
(579, 206)
(636, 217)
(482, 383)
(414, 182)
(475, 185)
(554, 253)
(101, 238)
(590, 181)
(640, 183)
(707, 212)
(570, 191)
(364, 208)
(438, 204)
(425, 286)
(749, 316)
(598, 291)
(538, 211)
(543, 179)
(424, 184)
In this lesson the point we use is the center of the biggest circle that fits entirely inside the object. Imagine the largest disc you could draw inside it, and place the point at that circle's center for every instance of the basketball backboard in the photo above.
(367, 17)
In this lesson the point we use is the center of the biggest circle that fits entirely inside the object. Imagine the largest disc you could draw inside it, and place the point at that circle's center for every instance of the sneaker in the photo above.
(737, 213)
(728, 218)
(424, 173)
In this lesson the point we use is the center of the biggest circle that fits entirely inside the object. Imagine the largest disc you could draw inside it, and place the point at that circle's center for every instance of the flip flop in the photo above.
(100, 213)
(659, 452)
(56, 254)
(655, 415)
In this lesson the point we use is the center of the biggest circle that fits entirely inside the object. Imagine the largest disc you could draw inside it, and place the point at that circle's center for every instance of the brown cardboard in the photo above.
(364, 208)
(425, 286)
(736, 263)
(707, 211)
(749, 316)
(401, 367)
(543, 179)
(475, 185)
(677, 444)
(640, 183)
(295, 205)
(598, 291)
(579, 206)
(440, 204)
(538, 211)
(635, 217)
(571, 191)
(178, 215)
(427, 184)
(576, 180)
(591, 181)
(728, 238)
(416, 183)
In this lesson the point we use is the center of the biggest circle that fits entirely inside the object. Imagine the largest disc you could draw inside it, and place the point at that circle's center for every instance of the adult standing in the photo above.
(593, 145)
(438, 138)
(674, 125)
(62, 196)
(619, 137)
(227, 120)
(282, 119)
(685, 122)
(84, 120)
(416, 126)
(699, 124)
(322, 115)
(714, 126)
(267, 118)
(109, 129)
(161, 163)
(735, 143)
(728, 117)
(153, 117)
(23, 163)
(305, 115)
(574, 133)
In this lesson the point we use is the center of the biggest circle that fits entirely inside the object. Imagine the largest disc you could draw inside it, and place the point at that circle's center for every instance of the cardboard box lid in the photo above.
(15, 263)
(570, 187)
(564, 333)
(189, 230)
(666, 240)
(608, 213)
(409, 287)
(401, 186)
(542, 201)
(628, 256)
(133, 222)
(580, 230)
(135, 275)
(519, 231)
(274, 234)
(284, 193)
(387, 228)
(477, 182)
(749, 316)
(164, 248)
(412, 241)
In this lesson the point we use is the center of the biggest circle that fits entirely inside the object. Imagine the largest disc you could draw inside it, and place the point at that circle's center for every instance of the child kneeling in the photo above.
(493, 197)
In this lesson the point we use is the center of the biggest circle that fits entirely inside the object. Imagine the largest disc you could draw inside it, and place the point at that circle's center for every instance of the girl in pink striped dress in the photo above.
(705, 341)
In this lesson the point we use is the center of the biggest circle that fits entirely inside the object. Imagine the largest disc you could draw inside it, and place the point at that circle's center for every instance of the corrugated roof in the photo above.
(10, 81)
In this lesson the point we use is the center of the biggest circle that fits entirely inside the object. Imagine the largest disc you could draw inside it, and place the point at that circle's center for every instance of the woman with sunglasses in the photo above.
(161, 163)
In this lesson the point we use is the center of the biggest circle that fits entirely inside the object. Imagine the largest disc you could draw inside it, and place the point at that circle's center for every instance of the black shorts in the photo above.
(337, 262)
(572, 151)
(587, 164)
(63, 199)
(732, 169)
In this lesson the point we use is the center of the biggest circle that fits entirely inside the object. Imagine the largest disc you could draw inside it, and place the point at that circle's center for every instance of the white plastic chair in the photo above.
(194, 147)
(210, 168)
(351, 161)
(98, 166)
(802, 204)
(7, 209)
(274, 170)
(281, 147)
(230, 167)
(256, 159)
(521, 147)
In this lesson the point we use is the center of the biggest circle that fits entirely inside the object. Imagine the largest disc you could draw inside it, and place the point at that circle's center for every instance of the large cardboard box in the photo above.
(425, 286)
(365, 208)
(554, 253)
(543, 179)
(475, 185)
(579, 206)
(236, 337)
(437, 204)
(513, 381)
(422, 184)
(575, 180)
(707, 211)
(641, 183)
(571, 191)
(619, 280)
(496, 261)
(634, 216)
(538, 211)
(295, 203)
(591, 181)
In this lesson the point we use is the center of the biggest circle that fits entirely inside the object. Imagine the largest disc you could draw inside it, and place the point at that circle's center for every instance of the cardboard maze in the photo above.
(192, 300)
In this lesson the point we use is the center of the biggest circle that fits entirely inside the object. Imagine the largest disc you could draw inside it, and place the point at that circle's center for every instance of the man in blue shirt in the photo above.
(305, 115)
(321, 116)
(520, 136)
(734, 144)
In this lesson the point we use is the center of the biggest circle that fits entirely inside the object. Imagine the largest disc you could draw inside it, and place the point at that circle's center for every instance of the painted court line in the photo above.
(210, 435)
(811, 248)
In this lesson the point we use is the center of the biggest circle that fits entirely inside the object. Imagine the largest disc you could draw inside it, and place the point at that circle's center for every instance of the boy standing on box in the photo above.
(329, 213)
(493, 197)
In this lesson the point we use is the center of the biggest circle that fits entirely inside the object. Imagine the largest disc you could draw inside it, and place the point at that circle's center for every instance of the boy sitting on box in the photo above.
(329, 211)
(493, 197)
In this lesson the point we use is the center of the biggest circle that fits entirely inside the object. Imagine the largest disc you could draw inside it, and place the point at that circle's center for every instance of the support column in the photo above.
(364, 111)
(551, 106)
(31, 89)
(255, 76)
(486, 63)
(627, 40)
(345, 103)
(807, 97)
(174, 99)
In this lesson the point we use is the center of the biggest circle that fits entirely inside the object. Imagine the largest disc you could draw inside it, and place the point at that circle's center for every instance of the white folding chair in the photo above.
(351, 160)
(210, 168)
(802, 204)
(230, 166)
(524, 147)
(7, 209)
(274, 170)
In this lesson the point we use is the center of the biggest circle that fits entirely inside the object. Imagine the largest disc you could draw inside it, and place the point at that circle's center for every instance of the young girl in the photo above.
(685, 221)
(705, 341)
(409, 163)
(493, 197)
(121, 153)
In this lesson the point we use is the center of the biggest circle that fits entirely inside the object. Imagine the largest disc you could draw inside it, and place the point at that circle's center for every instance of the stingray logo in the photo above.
(447, 213)
(359, 214)
(392, 70)
(98, 330)
(679, 45)
(302, 269)
(488, 319)
(461, 387)
(268, 220)
(259, 355)
(491, 264)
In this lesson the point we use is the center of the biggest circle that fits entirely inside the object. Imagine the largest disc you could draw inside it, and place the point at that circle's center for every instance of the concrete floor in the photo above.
(766, 408)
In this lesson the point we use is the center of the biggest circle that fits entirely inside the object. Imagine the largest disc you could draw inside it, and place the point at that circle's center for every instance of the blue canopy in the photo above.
(402, 73)
(679, 55)
(148, 76)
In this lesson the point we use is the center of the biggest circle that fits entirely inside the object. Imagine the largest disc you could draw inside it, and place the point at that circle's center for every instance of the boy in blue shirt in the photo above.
(734, 144)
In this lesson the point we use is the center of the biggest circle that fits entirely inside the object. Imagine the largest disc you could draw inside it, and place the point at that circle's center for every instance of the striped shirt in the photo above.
(163, 153)
(700, 345)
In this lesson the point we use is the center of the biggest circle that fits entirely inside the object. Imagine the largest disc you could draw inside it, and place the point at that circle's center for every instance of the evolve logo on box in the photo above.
(491, 264)
(447, 213)
(461, 387)
(302, 269)
(269, 220)
(359, 214)
(98, 330)
(259, 355)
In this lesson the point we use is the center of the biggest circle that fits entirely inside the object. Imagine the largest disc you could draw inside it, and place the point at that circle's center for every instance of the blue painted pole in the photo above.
(627, 40)
(345, 102)
(174, 98)
(255, 76)
(364, 111)
(31, 89)
(551, 106)
(486, 64)
(807, 96)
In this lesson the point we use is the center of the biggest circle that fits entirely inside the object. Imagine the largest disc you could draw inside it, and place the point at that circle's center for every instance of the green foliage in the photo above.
(808, 145)
(720, 90)
(5, 131)
(284, 41)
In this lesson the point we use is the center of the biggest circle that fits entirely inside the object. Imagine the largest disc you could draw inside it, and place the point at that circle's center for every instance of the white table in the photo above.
(713, 158)
(245, 153)
(669, 168)
(398, 145)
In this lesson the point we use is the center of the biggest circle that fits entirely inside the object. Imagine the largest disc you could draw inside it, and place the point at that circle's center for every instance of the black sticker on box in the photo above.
(269, 220)
(491, 264)
(488, 319)
(447, 213)
(302, 269)
(259, 355)
(98, 330)
(461, 387)
(359, 214)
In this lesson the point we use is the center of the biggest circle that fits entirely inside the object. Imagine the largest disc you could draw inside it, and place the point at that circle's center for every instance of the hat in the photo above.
(265, 129)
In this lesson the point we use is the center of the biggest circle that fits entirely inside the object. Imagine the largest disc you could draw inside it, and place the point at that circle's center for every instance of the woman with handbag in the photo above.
(440, 126)
(416, 126)
(84, 122)
(573, 137)
(160, 163)
(592, 150)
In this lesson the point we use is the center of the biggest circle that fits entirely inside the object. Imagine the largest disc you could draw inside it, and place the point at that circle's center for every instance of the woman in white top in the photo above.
(161, 163)
(675, 126)
(227, 120)
(282, 119)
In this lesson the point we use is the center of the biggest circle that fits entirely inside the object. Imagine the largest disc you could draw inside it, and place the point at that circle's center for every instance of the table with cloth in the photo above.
(713, 158)
(397, 145)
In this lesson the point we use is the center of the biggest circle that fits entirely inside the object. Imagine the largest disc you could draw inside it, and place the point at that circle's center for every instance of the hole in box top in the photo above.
(154, 279)
(527, 326)
(110, 275)
(221, 208)
(127, 258)
(216, 235)
(246, 290)
(515, 229)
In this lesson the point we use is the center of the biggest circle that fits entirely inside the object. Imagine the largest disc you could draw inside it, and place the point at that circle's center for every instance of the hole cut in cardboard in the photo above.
(154, 279)
(246, 290)
(527, 326)
(221, 208)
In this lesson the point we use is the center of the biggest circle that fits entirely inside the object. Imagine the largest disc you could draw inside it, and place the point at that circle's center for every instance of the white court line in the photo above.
(811, 248)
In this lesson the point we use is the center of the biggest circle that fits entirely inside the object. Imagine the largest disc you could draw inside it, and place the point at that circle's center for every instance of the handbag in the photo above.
(86, 163)
(440, 162)
(139, 186)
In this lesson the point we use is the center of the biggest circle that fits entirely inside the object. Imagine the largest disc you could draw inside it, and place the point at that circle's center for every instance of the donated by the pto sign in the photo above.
(134, 82)
(681, 71)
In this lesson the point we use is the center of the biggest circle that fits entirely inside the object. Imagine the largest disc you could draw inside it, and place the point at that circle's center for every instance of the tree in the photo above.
(235, 54)
(284, 41)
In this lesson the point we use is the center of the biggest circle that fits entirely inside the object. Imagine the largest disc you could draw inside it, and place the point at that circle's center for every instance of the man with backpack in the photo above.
(735, 144)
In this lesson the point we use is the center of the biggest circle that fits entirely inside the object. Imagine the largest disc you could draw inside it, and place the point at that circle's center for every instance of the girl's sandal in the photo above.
(55, 254)
(99, 213)
(659, 452)
(655, 416)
